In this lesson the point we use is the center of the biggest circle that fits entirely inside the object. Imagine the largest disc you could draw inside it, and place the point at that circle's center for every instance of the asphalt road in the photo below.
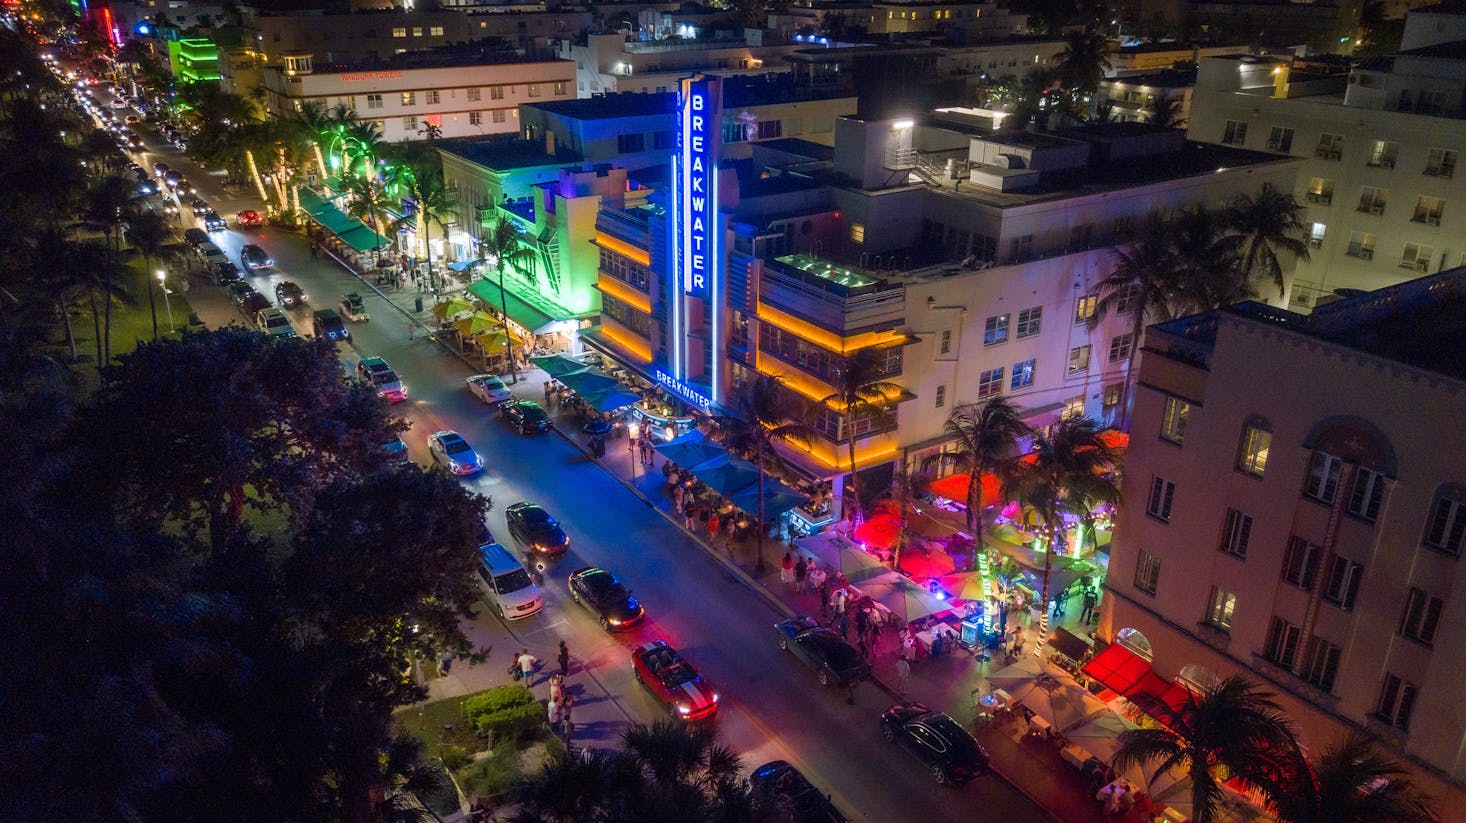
(772, 706)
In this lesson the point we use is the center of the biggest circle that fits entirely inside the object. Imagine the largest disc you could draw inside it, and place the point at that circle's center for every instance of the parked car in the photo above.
(211, 254)
(453, 453)
(160, 168)
(225, 272)
(213, 222)
(395, 451)
(948, 750)
(506, 585)
(599, 591)
(199, 205)
(536, 530)
(795, 799)
(195, 237)
(327, 323)
(253, 303)
(353, 308)
(673, 681)
(289, 294)
(824, 650)
(273, 322)
(249, 218)
(374, 371)
(489, 388)
(525, 416)
(253, 257)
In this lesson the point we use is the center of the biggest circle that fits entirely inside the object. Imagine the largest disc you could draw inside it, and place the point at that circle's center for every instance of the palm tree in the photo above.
(1264, 225)
(1071, 457)
(108, 206)
(435, 205)
(1084, 60)
(368, 205)
(762, 414)
(683, 769)
(1352, 781)
(1165, 111)
(150, 236)
(861, 393)
(502, 243)
(1233, 728)
(985, 435)
(1144, 282)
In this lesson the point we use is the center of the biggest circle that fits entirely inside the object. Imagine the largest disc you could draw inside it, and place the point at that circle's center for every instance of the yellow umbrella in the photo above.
(474, 324)
(451, 307)
(492, 342)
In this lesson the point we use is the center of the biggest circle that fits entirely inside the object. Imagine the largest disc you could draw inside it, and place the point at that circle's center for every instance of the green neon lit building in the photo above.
(194, 59)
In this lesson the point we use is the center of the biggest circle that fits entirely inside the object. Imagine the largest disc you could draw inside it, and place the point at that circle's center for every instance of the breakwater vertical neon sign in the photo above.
(697, 232)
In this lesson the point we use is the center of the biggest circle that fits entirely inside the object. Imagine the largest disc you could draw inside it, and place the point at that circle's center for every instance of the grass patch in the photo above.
(438, 724)
(494, 774)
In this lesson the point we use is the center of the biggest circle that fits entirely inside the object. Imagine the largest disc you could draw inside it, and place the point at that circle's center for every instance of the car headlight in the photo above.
(683, 708)
(715, 697)
(613, 621)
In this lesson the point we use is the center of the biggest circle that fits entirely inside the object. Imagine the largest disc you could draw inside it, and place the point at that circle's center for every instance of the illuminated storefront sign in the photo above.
(697, 158)
(683, 390)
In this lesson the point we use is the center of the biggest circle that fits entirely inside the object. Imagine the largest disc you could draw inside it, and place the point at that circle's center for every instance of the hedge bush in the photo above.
(512, 723)
(496, 700)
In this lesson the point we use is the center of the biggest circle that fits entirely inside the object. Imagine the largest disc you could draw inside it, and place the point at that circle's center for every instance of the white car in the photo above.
(453, 453)
(489, 388)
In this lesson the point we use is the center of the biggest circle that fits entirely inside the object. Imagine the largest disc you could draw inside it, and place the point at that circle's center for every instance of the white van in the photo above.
(506, 585)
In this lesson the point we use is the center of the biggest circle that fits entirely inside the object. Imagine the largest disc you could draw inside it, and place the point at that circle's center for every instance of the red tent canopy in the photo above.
(955, 486)
(1119, 668)
(879, 532)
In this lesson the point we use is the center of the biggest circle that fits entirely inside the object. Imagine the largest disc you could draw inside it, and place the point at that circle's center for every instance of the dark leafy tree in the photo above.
(1263, 228)
(1352, 781)
(862, 393)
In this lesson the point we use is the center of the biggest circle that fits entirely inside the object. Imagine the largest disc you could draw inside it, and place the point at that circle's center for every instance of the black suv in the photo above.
(194, 236)
(225, 272)
(536, 530)
(327, 323)
(525, 416)
(947, 749)
(288, 294)
(795, 799)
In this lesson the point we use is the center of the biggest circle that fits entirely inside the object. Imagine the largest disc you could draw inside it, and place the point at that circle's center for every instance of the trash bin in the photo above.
(417, 303)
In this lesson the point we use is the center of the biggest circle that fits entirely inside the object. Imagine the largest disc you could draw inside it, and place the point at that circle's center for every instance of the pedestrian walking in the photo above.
(801, 575)
(839, 599)
(553, 712)
(527, 662)
(689, 512)
(548, 391)
(566, 723)
(564, 659)
(714, 523)
(1090, 601)
(411, 329)
(862, 621)
(786, 569)
(515, 670)
(903, 673)
(315, 250)
(704, 514)
(677, 495)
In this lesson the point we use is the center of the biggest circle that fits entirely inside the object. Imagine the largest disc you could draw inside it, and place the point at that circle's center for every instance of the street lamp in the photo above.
(153, 306)
(632, 433)
(167, 304)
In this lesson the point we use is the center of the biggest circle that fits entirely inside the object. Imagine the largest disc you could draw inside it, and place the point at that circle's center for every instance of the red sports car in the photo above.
(673, 681)
(250, 217)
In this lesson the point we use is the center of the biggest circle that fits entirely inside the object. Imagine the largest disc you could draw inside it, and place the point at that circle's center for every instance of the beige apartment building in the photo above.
(1295, 509)
(459, 97)
(1380, 144)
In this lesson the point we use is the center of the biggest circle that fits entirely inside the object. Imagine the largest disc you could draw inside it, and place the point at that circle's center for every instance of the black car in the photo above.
(238, 291)
(611, 603)
(253, 303)
(195, 236)
(199, 205)
(947, 749)
(795, 799)
(536, 530)
(823, 650)
(327, 323)
(225, 272)
(253, 257)
(288, 294)
(525, 416)
(213, 222)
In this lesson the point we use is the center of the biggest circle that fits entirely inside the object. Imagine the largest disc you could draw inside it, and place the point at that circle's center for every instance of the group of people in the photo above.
(561, 704)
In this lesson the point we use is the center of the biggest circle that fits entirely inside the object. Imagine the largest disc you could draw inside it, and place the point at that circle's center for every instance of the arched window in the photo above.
(1342, 440)
(1257, 441)
(1136, 642)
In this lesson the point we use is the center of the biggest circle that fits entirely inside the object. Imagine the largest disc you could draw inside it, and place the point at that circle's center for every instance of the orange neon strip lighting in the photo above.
(639, 348)
(623, 248)
(828, 339)
(624, 293)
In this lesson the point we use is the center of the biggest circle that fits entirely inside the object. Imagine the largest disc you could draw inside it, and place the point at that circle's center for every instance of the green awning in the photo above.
(336, 221)
(312, 203)
(363, 239)
(536, 320)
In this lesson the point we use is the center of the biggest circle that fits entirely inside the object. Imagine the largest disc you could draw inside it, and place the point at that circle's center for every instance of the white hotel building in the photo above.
(406, 96)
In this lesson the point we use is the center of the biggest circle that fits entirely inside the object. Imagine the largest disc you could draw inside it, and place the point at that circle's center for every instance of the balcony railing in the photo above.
(1323, 198)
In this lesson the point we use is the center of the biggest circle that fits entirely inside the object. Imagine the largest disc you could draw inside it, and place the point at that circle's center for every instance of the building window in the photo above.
(1384, 153)
(562, 88)
(399, 31)
(1300, 564)
(1073, 409)
(1022, 375)
(1372, 199)
(1120, 347)
(1417, 257)
(1323, 477)
(436, 31)
(474, 95)
(409, 124)
(1219, 609)
(1316, 232)
(1023, 247)
(630, 143)
(1252, 457)
(1361, 245)
(374, 101)
(409, 98)
(946, 345)
(1320, 191)
(1446, 529)
(1280, 140)
(941, 396)
(417, 31)
(995, 330)
(1321, 663)
(1440, 163)
(627, 315)
(1282, 643)
(1421, 617)
(1236, 532)
(1365, 497)
(1084, 308)
(1029, 321)
(534, 90)
(1428, 210)
(1341, 582)
(496, 92)
(433, 98)
(1235, 133)
(1128, 299)
(1396, 702)
(1162, 493)
(1330, 147)
(1079, 359)
(857, 232)
(1173, 420)
(625, 269)
(1147, 572)
(1111, 397)
(498, 115)
(990, 382)
(770, 129)
(475, 118)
